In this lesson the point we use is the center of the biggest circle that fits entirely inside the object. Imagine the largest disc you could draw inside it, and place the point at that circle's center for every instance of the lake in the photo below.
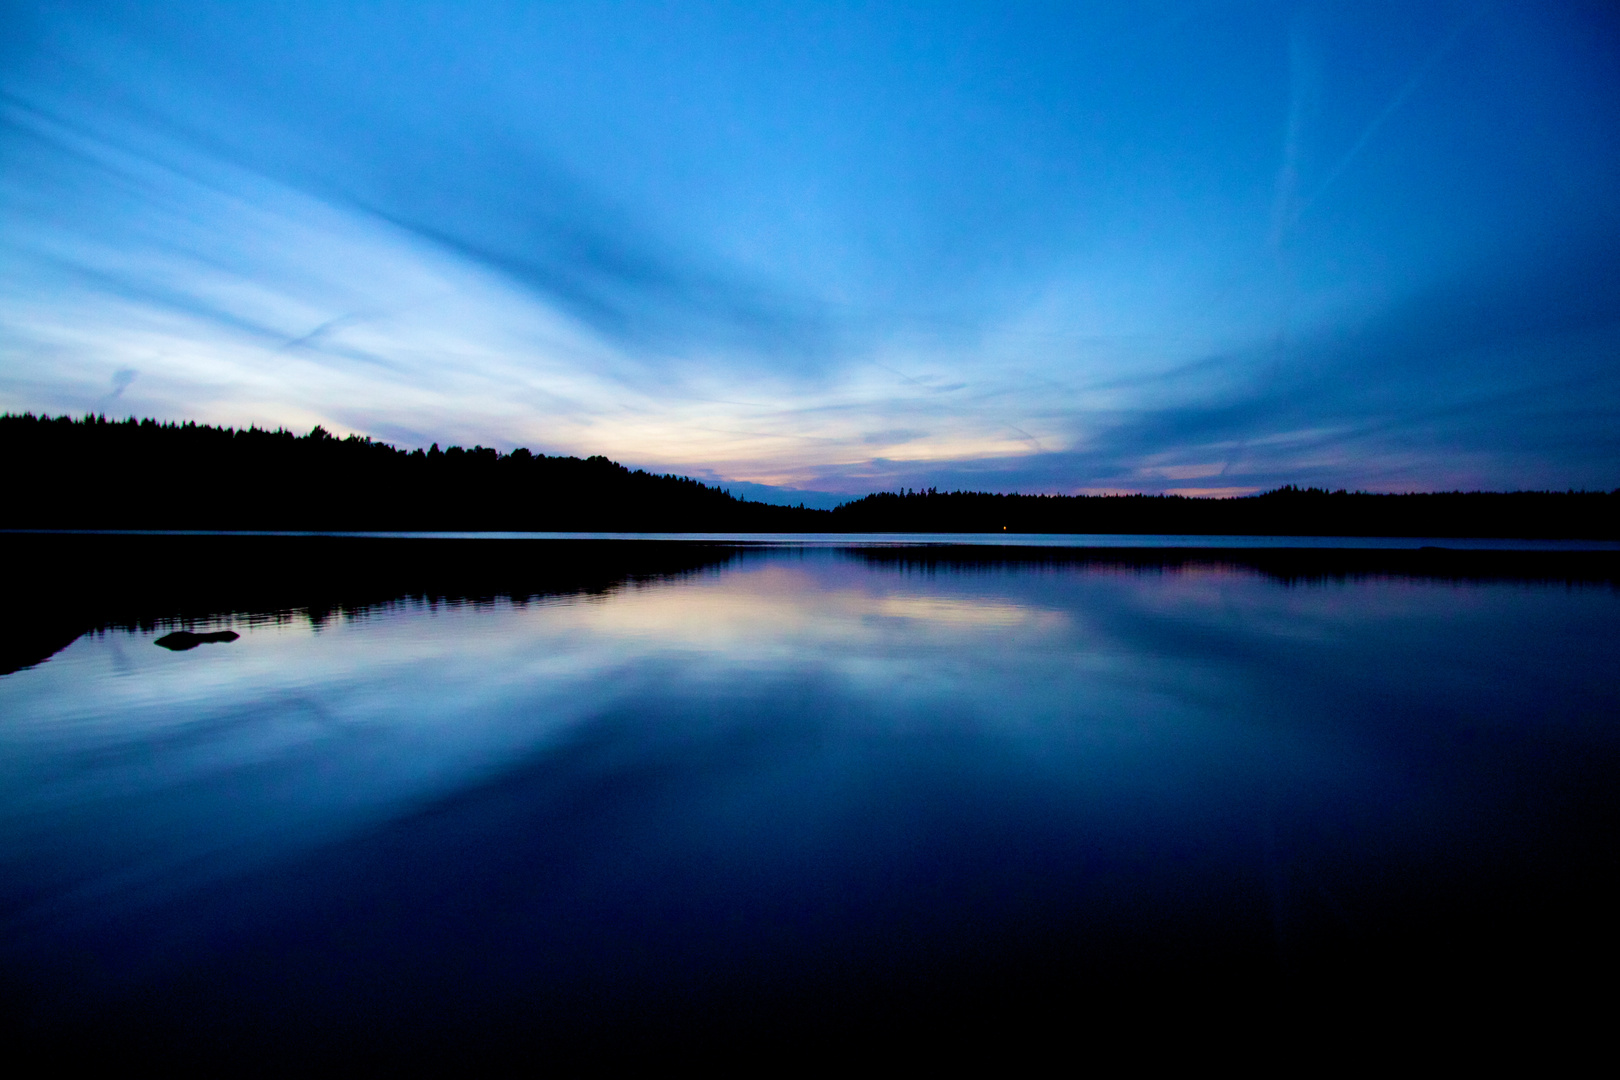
(597, 798)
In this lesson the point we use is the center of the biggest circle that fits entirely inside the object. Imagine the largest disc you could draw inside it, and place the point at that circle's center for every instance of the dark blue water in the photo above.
(802, 793)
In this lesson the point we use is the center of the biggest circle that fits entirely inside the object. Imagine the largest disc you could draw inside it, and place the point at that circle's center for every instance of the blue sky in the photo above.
(1200, 247)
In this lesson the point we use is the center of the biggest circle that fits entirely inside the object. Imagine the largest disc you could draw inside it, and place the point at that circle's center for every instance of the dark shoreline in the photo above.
(91, 473)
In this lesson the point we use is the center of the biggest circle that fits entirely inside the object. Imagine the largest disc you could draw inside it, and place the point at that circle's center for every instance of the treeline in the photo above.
(1287, 511)
(92, 473)
(138, 474)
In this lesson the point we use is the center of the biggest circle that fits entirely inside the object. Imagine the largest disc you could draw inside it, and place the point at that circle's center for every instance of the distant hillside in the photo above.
(64, 473)
(94, 473)
(1288, 511)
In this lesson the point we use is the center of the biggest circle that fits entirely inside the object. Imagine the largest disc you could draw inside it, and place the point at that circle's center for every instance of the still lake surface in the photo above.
(804, 786)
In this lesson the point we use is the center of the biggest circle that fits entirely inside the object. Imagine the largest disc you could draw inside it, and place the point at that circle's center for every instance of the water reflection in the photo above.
(786, 786)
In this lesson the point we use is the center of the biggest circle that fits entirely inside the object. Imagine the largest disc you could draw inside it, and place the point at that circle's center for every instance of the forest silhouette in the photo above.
(92, 473)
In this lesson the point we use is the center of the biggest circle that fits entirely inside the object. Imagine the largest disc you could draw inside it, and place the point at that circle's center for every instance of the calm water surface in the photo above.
(802, 787)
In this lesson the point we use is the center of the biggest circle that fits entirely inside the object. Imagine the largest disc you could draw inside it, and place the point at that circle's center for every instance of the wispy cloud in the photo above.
(1391, 107)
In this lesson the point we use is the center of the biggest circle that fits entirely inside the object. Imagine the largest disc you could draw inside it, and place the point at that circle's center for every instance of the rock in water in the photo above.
(181, 640)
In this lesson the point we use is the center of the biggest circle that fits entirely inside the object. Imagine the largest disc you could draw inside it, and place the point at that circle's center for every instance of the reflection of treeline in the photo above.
(61, 586)
(1288, 511)
(92, 473)
(1298, 565)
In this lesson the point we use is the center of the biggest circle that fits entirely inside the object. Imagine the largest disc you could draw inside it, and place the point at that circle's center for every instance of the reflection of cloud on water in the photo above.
(786, 609)
(416, 700)
(958, 612)
(1156, 687)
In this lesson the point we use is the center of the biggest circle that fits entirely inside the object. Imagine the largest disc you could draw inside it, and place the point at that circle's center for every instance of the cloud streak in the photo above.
(1407, 89)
